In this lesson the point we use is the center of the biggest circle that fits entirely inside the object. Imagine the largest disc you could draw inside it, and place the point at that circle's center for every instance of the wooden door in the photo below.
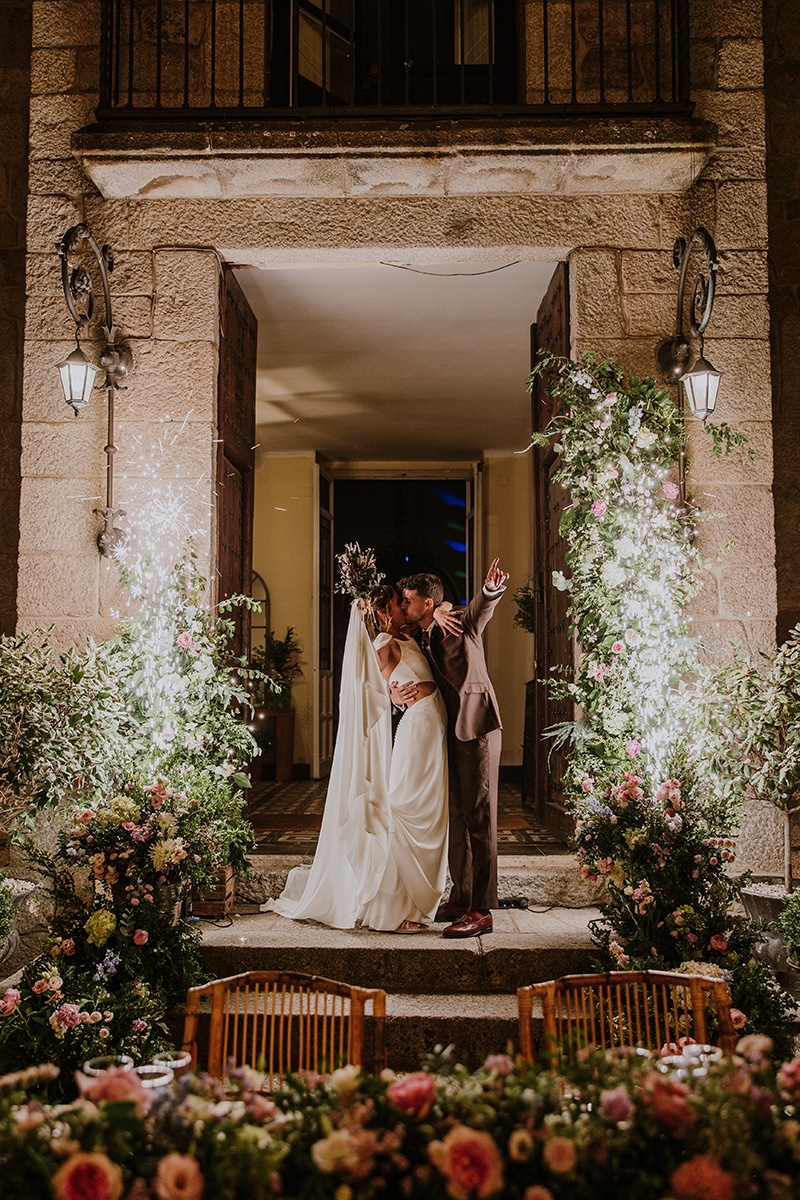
(554, 645)
(322, 698)
(236, 433)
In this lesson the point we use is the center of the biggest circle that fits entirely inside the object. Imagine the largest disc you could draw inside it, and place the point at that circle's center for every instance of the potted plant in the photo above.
(746, 718)
(275, 667)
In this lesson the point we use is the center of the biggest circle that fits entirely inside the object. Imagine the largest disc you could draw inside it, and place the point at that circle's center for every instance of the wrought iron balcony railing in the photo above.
(206, 59)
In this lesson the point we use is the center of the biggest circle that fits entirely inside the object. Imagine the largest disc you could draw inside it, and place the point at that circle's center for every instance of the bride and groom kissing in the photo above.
(396, 814)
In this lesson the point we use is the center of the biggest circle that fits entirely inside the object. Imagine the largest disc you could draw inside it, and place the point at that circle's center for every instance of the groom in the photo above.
(473, 744)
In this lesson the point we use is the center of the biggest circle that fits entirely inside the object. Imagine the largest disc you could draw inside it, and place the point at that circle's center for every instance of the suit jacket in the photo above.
(459, 663)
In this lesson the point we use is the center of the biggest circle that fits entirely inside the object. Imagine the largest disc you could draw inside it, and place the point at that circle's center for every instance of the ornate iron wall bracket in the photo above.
(78, 373)
(673, 353)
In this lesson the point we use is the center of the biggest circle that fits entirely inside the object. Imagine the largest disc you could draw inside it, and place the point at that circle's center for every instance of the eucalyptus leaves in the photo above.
(631, 560)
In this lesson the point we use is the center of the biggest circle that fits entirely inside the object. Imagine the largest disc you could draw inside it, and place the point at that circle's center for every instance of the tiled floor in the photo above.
(286, 818)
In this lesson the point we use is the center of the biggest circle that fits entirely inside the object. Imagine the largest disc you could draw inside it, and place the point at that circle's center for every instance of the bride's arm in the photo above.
(388, 655)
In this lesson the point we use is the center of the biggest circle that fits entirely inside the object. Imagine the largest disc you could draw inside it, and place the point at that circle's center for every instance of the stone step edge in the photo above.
(552, 879)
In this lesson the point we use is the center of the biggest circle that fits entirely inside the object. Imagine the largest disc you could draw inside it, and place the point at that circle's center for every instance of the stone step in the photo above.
(546, 879)
(526, 946)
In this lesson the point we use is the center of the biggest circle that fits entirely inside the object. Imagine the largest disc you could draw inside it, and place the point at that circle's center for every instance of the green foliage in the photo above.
(745, 721)
(669, 891)
(726, 439)
(789, 924)
(277, 663)
(8, 908)
(525, 616)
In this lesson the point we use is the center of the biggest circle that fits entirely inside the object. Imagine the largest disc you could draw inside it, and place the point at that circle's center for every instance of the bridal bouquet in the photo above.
(358, 572)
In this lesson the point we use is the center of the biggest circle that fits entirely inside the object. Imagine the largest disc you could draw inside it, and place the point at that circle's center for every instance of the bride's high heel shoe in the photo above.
(411, 927)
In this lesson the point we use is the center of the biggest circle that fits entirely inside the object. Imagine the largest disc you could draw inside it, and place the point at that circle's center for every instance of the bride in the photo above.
(381, 858)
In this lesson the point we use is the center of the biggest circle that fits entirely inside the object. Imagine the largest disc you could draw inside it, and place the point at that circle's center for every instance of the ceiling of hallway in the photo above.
(377, 362)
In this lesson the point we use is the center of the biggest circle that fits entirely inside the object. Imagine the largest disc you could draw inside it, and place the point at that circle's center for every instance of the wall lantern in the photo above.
(700, 383)
(78, 373)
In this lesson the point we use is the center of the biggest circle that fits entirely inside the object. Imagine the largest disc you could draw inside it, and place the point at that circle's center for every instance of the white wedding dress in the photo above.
(382, 852)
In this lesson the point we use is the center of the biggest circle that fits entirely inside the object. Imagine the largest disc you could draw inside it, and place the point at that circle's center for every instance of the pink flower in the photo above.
(116, 1085)
(68, 947)
(140, 937)
(560, 1155)
(68, 1015)
(39, 987)
(617, 648)
(617, 1104)
(184, 640)
(702, 1178)
(718, 942)
(88, 1176)
(633, 747)
(631, 637)
(610, 399)
(788, 1080)
(414, 1093)
(178, 1178)
(587, 785)
(599, 508)
(738, 1017)
(500, 1064)
(261, 1108)
(670, 490)
(668, 1100)
(470, 1161)
(601, 672)
(9, 1002)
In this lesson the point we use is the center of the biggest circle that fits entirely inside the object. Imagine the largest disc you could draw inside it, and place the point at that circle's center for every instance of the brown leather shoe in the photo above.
(472, 924)
(448, 912)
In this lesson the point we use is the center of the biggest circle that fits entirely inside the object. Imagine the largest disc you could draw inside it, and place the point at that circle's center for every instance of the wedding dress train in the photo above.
(382, 852)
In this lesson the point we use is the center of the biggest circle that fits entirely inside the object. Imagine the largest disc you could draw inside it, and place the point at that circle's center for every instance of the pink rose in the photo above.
(140, 937)
(413, 1093)
(9, 1002)
(116, 1085)
(787, 1079)
(633, 747)
(560, 1155)
(718, 942)
(670, 490)
(702, 1178)
(610, 399)
(184, 640)
(601, 672)
(68, 947)
(261, 1108)
(617, 648)
(470, 1161)
(39, 987)
(617, 1104)
(587, 785)
(500, 1064)
(599, 508)
(738, 1017)
(668, 1100)
(88, 1176)
(178, 1178)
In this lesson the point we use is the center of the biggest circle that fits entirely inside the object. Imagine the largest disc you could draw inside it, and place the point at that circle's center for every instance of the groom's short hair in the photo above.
(427, 586)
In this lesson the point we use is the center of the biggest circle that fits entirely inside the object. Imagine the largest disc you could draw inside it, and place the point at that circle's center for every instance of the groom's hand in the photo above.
(495, 578)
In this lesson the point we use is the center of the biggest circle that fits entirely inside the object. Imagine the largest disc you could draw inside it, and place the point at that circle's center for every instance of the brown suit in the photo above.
(473, 745)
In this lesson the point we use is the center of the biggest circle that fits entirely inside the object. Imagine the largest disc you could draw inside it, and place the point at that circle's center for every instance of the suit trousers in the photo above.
(472, 844)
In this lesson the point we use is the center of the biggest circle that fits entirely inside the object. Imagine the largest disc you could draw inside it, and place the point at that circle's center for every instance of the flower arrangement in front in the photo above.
(669, 890)
(724, 1130)
(631, 560)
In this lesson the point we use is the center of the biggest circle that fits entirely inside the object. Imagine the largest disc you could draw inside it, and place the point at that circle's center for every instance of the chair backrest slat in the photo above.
(282, 1022)
(624, 1008)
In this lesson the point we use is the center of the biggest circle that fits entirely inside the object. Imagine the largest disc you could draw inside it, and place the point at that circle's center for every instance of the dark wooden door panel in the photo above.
(554, 646)
(236, 430)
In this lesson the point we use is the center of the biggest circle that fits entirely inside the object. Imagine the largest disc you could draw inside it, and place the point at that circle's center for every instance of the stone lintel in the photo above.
(578, 156)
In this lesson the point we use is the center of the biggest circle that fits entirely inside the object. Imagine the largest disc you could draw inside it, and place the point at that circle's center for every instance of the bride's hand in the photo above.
(403, 694)
(446, 619)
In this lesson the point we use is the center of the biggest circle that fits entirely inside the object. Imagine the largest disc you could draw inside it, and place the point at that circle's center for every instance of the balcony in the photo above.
(393, 97)
(261, 59)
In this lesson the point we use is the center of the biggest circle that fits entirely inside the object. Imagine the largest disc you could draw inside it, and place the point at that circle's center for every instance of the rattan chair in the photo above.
(283, 1023)
(648, 1009)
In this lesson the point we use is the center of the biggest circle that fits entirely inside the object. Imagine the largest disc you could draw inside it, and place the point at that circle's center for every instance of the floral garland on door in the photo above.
(632, 564)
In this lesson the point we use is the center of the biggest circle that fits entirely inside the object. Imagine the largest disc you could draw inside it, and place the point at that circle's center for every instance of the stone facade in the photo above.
(608, 195)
